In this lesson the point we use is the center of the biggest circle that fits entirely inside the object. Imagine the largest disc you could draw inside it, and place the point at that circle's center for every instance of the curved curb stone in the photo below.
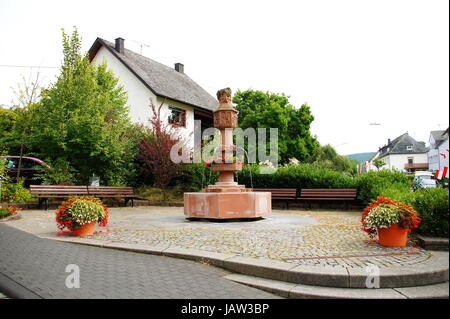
(433, 271)
(13, 217)
(297, 291)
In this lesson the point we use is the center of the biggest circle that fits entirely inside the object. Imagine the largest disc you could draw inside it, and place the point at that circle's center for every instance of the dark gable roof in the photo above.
(159, 78)
(398, 146)
(438, 135)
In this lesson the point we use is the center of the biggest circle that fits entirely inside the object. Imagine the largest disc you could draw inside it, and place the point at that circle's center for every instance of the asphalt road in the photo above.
(32, 267)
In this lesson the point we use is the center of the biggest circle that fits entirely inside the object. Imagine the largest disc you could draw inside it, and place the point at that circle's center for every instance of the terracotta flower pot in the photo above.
(393, 236)
(87, 229)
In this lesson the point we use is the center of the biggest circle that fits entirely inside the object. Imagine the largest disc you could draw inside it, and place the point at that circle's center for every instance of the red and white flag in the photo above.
(442, 173)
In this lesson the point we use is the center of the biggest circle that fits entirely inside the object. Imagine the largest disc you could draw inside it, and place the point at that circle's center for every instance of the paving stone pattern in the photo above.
(40, 265)
(336, 239)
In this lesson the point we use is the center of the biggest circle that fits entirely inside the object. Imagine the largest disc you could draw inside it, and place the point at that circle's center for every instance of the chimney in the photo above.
(389, 141)
(120, 45)
(179, 67)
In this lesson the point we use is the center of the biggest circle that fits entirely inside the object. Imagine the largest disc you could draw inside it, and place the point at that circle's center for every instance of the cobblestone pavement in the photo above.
(302, 237)
(40, 266)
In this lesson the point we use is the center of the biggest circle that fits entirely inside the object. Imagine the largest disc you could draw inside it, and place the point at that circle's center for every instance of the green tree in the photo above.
(378, 163)
(7, 120)
(326, 157)
(259, 109)
(83, 119)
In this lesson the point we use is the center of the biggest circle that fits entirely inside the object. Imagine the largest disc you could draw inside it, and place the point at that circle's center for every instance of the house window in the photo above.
(177, 116)
(409, 147)
(410, 160)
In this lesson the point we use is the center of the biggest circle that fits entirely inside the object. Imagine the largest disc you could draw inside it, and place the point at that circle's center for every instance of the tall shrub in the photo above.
(82, 119)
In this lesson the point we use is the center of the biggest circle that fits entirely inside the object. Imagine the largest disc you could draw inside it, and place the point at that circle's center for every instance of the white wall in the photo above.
(398, 161)
(139, 96)
(433, 160)
(436, 161)
(188, 131)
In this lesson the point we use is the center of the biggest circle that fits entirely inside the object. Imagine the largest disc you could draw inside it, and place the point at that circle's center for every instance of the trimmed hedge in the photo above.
(432, 206)
(295, 176)
(369, 185)
(373, 184)
(430, 203)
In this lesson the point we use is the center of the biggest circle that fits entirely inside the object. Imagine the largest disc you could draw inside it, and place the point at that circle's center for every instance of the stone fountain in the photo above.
(227, 199)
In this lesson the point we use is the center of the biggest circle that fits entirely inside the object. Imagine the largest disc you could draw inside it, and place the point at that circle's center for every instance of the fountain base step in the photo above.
(227, 205)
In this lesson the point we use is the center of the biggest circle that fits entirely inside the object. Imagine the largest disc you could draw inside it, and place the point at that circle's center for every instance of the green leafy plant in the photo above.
(82, 118)
(258, 109)
(432, 204)
(378, 163)
(15, 192)
(197, 176)
(372, 184)
(59, 173)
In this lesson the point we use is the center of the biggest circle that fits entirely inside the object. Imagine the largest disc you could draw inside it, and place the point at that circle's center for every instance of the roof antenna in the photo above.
(141, 45)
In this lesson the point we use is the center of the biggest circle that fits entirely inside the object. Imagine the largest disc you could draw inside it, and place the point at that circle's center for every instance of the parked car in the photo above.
(424, 179)
(29, 169)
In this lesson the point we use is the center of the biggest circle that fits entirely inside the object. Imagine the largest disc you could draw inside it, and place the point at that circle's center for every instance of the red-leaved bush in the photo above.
(154, 150)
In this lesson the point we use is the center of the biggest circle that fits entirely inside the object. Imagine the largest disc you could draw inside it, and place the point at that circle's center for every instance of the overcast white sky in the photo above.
(354, 62)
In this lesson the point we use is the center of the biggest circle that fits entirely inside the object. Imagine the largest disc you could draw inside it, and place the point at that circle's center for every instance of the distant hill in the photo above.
(361, 157)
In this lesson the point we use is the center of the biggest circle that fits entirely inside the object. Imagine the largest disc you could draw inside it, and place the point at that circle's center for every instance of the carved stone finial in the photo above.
(224, 96)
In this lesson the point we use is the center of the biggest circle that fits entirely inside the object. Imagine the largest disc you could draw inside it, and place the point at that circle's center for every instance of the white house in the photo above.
(176, 96)
(404, 154)
(438, 153)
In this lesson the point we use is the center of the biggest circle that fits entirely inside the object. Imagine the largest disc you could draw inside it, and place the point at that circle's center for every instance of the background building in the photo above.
(404, 154)
(438, 153)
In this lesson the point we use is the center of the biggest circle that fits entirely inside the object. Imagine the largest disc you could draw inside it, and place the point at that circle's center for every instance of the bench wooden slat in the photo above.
(280, 193)
(342, 194)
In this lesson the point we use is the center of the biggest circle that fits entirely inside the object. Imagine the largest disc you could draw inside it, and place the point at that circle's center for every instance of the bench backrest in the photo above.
(279, 193)
(80, 190)
(109, 190)
(343, 193)
(58, 190)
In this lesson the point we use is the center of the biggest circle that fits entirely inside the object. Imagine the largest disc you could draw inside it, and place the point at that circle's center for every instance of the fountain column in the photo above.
(226, 199)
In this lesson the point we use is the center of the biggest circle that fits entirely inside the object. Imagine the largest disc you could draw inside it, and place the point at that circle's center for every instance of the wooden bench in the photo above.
(114, 192)
(331, 194)
(44, 192)
(285, 194)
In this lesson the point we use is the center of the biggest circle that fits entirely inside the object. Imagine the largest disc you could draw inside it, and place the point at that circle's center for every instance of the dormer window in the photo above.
(409, 147)
(177, 116)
